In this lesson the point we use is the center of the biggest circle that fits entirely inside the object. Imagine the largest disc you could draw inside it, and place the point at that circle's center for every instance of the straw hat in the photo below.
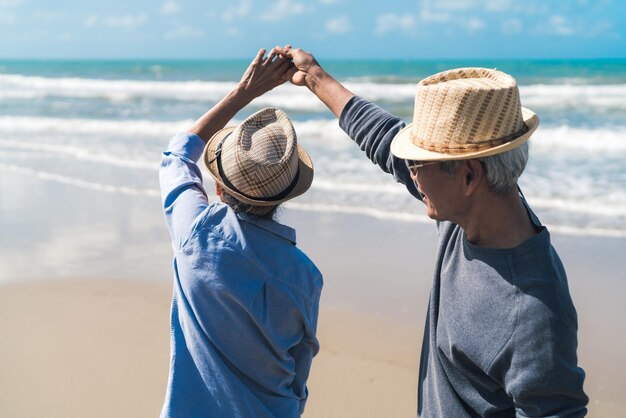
(259, 162)
(465, 113)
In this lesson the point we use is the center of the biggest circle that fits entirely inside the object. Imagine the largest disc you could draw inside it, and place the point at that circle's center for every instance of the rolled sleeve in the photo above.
(182, 194)
(186, 145)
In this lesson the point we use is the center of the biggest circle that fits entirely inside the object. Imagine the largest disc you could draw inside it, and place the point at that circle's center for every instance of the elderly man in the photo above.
(245, 300)
(500, 337)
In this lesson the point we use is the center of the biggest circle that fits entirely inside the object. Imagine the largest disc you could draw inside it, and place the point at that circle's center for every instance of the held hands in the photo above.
(282, 64)
(306, 71)
(262, 75)
(303, 64)
(265, 73)
(298, 66)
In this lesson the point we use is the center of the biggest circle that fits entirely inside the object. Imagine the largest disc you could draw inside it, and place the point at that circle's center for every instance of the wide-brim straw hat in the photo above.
(259, 162)
(462, 114)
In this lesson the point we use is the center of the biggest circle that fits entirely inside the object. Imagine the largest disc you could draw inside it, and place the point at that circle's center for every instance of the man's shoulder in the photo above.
(449, 233)
(536, 261)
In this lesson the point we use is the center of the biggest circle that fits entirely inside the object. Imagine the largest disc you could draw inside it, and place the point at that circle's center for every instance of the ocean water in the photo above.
(102, 125)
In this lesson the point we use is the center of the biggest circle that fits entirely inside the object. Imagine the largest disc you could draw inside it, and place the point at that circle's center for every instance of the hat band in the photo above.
(475, 146)
(227, 183)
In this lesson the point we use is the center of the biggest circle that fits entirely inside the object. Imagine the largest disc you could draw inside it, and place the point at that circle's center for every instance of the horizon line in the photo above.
(326, 58)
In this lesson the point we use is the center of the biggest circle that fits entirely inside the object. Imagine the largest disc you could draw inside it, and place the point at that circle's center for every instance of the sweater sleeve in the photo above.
(538, 366)
(373, 129)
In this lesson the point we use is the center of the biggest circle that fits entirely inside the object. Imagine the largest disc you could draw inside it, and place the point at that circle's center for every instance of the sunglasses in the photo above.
(413, 165)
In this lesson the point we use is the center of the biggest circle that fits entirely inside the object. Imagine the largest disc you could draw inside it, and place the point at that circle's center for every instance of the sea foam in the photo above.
(14, 86)
(546, 139)
(395, 216)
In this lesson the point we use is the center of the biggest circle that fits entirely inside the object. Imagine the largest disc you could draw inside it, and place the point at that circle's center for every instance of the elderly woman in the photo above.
(245, 300)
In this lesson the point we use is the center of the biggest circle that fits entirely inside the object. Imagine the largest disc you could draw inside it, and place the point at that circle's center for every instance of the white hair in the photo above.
(265, 212)
(502, 170)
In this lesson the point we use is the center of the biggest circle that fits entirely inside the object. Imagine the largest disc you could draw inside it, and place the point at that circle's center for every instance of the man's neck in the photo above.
(498, 221)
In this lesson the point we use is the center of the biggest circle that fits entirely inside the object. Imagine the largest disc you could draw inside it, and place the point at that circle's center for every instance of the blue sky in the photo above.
(328, 28)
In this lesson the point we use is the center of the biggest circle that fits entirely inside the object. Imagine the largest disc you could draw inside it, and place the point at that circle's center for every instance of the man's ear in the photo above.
(473, 174)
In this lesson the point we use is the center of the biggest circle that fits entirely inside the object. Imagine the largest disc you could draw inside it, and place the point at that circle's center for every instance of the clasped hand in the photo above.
(281, 64)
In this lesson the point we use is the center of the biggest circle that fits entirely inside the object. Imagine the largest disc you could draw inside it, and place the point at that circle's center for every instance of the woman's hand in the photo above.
(264, 73)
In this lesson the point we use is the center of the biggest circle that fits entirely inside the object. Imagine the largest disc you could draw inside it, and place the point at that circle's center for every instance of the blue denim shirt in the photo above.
(245, 303)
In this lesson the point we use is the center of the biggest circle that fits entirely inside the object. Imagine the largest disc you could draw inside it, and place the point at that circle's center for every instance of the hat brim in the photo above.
(403, 147)
(305, 167)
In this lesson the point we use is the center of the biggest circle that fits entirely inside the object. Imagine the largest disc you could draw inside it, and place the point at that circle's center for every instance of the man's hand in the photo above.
(264, 73)
(303, 64)
(306, 71)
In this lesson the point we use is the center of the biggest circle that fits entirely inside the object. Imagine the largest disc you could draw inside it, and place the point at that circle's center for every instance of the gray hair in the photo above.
(265, 212)
(502, 170)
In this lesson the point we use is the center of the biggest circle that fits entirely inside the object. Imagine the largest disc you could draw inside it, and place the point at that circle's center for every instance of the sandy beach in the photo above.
(99, 346)
(90, 96)
(100, 349)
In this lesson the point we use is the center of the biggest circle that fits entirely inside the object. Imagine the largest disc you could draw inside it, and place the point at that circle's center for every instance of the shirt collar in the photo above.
(270, 225)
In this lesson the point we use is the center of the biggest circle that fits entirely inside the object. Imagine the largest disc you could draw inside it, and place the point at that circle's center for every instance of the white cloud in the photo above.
(489, 5)
(474, 5)
(232, 31)
(283, 9)
(8, 18)
(170, 7)
(123, 21)
(449, 4)
(10, 4)
(601, 28)
(427, 15)
(559, 25)
(236, 12)
(499, 5)
(184, 32)
(328, 1)
(511, 26)
(390, 22)
(338, 25)
(536, 9)
(563, 26)
(126, 21)
(91, 21)
(473, 24)
(48, 15)
(67, 36)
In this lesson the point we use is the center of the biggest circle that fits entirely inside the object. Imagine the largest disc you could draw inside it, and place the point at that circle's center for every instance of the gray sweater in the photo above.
(500, 335)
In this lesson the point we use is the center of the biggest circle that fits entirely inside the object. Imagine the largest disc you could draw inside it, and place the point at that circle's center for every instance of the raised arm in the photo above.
(182, 194)
(263, 74)
(306, 71)
(371, 127)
